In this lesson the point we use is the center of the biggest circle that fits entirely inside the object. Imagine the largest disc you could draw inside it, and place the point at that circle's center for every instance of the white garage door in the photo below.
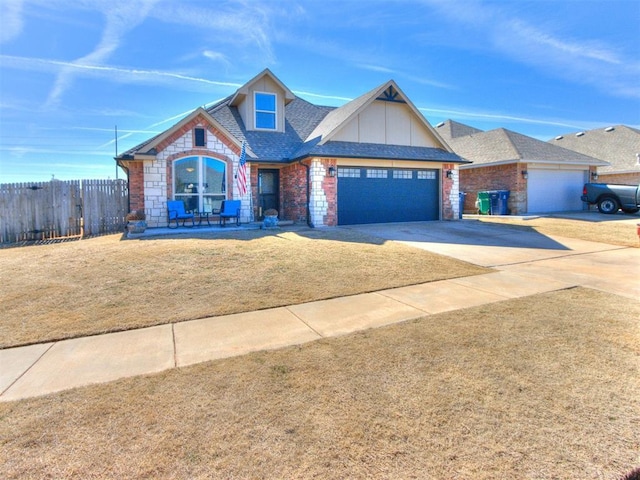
(555, 190)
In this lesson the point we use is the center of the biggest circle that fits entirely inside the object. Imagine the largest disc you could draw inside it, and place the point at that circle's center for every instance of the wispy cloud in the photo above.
(121, 17)
(19, 152)
(11, 15)
(499, 118)
(422, 80)
(107, 71)
(240, 24)
(577, 58)
(325, 97)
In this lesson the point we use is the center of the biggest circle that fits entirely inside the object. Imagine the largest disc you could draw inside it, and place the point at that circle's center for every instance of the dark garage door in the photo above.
(383, 195)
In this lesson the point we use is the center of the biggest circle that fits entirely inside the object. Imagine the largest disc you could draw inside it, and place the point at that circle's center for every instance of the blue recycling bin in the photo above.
(499, 202)
(461, 197)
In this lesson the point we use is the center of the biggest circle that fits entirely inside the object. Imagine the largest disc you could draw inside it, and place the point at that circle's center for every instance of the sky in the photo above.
(72, 73)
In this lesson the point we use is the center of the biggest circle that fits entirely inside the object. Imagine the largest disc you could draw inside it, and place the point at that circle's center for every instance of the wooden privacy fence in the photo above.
(57, 209)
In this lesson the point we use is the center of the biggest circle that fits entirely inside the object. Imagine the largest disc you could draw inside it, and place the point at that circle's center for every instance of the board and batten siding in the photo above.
(387, 123)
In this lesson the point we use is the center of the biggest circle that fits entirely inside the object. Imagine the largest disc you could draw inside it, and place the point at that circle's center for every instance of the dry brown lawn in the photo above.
(543, 387)
(612, 229)
(105, 284)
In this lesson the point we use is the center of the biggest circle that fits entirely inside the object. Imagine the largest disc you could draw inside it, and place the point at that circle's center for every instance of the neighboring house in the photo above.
(375, 159)
(618, 145)
(539, 176)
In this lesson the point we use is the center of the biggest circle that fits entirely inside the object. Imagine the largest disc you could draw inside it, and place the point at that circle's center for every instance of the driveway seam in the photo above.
(568, 255)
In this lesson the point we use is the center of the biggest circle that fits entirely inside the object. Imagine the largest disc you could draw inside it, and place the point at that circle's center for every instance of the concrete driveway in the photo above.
(611, 268)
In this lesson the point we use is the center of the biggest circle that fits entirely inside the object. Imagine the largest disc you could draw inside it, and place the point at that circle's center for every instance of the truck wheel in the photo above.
(608, 205)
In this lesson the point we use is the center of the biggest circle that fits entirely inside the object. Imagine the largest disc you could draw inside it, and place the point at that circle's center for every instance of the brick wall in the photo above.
(293, 193)
(136, 186)
(620, 178)
(322, 193)
(500, 177)
(330, 189)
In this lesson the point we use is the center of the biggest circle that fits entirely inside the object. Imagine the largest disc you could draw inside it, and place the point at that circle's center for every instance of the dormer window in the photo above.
(199, 138)
(265, 106)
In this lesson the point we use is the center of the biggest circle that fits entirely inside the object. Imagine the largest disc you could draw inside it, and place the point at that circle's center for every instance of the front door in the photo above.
(268, 191)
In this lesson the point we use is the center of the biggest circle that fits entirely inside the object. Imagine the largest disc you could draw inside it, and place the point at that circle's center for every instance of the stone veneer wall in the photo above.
(324, 198)
(450, 189)
(158, 176)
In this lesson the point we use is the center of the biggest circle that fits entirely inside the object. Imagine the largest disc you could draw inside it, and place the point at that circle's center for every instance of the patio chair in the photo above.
(230, 209)
(176, 212)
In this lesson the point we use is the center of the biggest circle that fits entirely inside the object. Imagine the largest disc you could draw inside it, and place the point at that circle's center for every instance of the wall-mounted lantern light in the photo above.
(525, 174)
(449, 173)
(594, 175)
(332, 171)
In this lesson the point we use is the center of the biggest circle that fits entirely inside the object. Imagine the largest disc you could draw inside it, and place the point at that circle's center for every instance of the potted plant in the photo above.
(270, 218)
(136, 222)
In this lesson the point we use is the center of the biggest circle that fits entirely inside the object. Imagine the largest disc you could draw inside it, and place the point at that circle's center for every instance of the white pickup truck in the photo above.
(611, 198)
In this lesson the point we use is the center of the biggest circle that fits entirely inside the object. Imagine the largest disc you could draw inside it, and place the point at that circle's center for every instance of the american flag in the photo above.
(241, 176)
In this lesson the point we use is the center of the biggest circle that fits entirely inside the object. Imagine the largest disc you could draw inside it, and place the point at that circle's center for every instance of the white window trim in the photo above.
(201, 193)
(256, 111)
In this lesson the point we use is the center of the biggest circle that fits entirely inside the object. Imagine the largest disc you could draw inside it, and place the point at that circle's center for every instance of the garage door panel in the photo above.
(382, 200)
(554, 190)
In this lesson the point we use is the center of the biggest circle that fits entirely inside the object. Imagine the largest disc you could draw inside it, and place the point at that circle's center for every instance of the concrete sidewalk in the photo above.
(522, 268)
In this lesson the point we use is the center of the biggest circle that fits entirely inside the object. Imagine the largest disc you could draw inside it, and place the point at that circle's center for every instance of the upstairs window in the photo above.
(199, 139)
(265, 104)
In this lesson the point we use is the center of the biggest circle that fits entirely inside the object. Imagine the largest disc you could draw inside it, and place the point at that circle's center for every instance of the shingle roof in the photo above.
(450, 129)
(301, 117)
(338, 116)
(306, 125)
(618, 145)
(376, 151)
(505, 146)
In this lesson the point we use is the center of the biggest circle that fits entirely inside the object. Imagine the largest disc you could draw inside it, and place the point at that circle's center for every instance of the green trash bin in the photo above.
(483, 203)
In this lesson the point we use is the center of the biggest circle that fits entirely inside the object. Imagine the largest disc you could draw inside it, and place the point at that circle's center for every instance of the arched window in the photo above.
(200, 182)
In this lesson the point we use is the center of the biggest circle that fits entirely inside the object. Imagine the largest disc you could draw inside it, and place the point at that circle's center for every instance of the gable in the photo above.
(387, 117)
(198, 118)
(259, 99)
(387, 123)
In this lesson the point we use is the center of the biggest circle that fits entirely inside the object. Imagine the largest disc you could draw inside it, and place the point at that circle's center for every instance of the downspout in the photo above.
(309, 222)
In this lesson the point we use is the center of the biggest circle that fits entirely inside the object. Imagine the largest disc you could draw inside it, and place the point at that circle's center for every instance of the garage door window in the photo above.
(403, 174)
(349, 172)
(375, 173)
(425, 175)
